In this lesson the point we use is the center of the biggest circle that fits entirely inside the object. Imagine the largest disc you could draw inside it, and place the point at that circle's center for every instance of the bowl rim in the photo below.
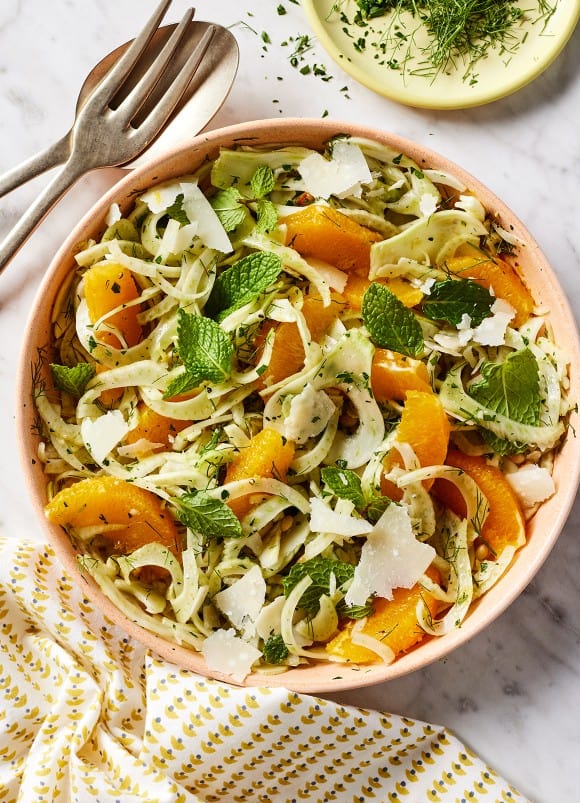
(323, 677)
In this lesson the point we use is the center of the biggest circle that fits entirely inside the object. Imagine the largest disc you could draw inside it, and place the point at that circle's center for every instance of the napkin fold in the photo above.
(89, 714)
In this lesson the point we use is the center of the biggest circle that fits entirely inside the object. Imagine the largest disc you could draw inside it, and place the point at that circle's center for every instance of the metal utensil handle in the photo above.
(16, 238)
(39, 163)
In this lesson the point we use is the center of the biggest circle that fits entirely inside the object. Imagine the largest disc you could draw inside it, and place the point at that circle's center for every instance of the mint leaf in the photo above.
(242, 282)
(511, 388)
(204, 348)
(267, 215)
(181, 384)
(321, 571)
(377, 507)
(73, 379)
(355, 611)
(345, 484)
(226, 204)
(390, 324)
(207, 516)
(262, 182)
(177, 212)
(451, 299)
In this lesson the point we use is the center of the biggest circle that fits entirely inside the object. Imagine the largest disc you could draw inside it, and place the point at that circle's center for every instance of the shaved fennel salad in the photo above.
(323, 374)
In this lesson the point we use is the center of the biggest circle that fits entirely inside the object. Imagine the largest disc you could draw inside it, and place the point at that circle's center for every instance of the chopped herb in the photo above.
(275, 650)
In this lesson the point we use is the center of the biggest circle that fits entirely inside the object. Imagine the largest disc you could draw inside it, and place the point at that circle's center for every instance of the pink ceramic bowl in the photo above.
(544, 527)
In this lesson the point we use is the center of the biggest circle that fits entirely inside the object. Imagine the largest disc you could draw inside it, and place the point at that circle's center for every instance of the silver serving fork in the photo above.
(120, 118)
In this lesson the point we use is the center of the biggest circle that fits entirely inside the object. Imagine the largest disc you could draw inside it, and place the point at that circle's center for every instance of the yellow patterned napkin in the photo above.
(90, 715)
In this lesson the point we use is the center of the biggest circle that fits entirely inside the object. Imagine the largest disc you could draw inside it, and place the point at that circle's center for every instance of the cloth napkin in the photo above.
(89, 714)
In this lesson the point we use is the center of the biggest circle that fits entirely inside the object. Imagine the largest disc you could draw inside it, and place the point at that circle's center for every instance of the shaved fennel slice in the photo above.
(292, 639)
(262, 485)
(361, 639)
(429, 240)
(104, 576)
(460, 583)
(323, 625)
(461, 405)
(475, 502)
(488, 572)
(306, 461)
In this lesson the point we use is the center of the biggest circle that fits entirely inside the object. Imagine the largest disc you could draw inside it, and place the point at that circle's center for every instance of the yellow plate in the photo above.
(358, 51)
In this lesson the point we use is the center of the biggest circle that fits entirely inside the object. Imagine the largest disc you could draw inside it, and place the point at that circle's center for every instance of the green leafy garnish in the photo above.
(262, 182)
(228, 206)
(242, 283)
(390, 324)
(266, 215)
(73, 379)
(345, 484)
(207, 516)
(275, 650)
(354, 611)
(177, 212)
(205, 350)
(320, 570)
(511, 388)
(232, 207)
(376, 507)
(451, 299)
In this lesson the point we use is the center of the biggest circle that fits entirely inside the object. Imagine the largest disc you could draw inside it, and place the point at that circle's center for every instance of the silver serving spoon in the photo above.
(200, 102)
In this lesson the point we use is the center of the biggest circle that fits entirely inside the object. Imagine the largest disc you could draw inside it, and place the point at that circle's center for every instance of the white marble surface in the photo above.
(513, 693)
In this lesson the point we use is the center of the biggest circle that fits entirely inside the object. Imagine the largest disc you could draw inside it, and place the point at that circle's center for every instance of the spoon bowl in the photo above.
(202, 99)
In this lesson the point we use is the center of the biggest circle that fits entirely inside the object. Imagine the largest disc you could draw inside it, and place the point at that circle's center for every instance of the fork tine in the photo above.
(164, 106)
(114, 79)
(146, 84)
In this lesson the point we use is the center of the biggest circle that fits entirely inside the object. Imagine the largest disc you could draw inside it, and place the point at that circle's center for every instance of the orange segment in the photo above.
(425, 427)
(142, 515)
(393, 374)
(324, 233)
(107, 286)
(495, 274)
(288, 352)
(393, 622)
(356, 286)
(267, 455)
(155, 428)
(505, 524)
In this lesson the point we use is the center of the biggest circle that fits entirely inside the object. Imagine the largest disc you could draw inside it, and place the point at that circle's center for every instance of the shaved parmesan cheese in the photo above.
(491, 331)
(391, 558)
(229, 654)
(341, 175)
(243, 600)
(323, 519)
(309, 413)
(176, 238)
(113, 215)
(427, 204)
(161, 198)
(532, 484)
(197, 209)
(103, 434)
(209, 227)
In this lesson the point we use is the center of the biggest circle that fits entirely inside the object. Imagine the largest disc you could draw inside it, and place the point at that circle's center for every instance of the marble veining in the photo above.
(513, 693)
